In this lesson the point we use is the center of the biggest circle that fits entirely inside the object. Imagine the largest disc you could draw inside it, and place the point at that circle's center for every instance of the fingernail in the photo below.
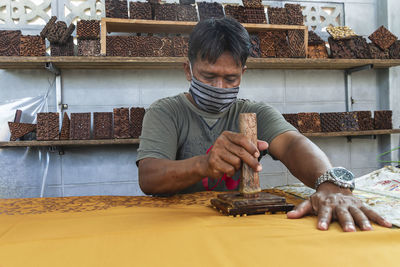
(323, 225)
(367, 226)
(259, 168)
(389, 224)
(350, 228)
(257, 154)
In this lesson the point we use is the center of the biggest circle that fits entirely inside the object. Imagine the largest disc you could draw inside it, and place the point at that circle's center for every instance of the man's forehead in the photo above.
(225, 63)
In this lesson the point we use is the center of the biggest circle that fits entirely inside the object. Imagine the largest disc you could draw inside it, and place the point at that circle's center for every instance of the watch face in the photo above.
(342, 174)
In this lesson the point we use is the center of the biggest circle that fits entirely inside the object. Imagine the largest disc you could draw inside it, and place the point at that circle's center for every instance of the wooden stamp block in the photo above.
(121, 123)
(48, 125)
(102, 125)
(80, 126)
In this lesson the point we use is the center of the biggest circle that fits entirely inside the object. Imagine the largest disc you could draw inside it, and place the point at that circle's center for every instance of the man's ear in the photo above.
(244, 69)
(186, 68)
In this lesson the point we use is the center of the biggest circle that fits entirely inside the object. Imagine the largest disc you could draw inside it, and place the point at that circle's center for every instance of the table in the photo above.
(177, 231)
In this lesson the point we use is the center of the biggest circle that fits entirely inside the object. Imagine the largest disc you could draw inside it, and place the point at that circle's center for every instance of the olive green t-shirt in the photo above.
(175, 129)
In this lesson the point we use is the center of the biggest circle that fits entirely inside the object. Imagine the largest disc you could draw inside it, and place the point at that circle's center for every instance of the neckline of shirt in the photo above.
(202, 112)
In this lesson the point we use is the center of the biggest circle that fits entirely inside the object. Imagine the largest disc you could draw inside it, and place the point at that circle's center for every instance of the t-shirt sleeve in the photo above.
(270, 122)
(159, 135)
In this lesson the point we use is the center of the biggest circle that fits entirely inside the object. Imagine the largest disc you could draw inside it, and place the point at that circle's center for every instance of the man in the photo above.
(194, 135)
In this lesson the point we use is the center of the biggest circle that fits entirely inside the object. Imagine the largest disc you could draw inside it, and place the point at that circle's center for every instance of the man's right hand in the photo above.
(228, 152)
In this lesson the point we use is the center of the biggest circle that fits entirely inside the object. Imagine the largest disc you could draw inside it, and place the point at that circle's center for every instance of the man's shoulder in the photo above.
(167, 102)
(246, 105)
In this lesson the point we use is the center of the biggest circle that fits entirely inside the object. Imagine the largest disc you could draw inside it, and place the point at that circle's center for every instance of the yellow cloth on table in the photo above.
(178, 231)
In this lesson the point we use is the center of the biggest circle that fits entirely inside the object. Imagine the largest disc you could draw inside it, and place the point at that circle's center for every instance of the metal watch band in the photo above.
(327, 177)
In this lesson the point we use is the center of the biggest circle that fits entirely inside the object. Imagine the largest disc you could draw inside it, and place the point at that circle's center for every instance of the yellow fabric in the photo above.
(187, 233)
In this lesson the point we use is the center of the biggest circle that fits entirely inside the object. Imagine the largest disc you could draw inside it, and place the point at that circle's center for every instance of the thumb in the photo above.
(301, 210)
(262, 145)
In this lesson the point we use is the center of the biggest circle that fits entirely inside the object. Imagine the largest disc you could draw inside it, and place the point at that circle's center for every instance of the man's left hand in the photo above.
(331, 202)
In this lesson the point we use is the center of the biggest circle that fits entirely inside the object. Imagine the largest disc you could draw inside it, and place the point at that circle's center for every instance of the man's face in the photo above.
(224, 73)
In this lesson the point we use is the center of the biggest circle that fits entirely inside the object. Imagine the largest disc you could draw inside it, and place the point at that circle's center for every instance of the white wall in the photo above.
(112, 170)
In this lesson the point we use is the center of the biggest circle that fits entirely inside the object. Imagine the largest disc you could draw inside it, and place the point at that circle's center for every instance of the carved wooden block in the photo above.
(252, 3)
(10, 43)
(255, 50)
(88, 47)
(48, 125)
(65, 127)
(80, 126)
(18, 129)
(354, 47)
(277, 15)
(186, 13)
(294, 14)
(210, 10)
(340, 49)
(32, 46)
(121, 123)
(88, 29)
(165, 12)
(181, 46)
(394, 50)
(314, 39)
(331, 121)
(309, 122)
(383, 38)
(136, 120)
(236, 12)
(255, 15)
(139, 10)
(281, 44)
(267, 44)
(350, 122)
(116, 9)
(297, 48)
(365, 121)
(292, 118)
(66, 49)
(102, 125)
(383, 119)
(317, 51)
(119, 46)
(378, 53)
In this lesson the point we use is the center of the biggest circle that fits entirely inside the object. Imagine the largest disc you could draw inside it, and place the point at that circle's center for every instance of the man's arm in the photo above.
(307, 162)
(163, 176)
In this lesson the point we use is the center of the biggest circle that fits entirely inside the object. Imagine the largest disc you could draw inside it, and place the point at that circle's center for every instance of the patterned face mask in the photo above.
(212, 99)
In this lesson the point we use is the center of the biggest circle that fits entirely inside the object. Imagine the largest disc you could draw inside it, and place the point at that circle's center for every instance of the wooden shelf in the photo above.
(104, 62)
(136, 141)
(70, 143)
(355, 133)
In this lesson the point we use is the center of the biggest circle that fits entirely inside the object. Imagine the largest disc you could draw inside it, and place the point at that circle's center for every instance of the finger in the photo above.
(301, 210)
(345, 219)
(360, 219)
(244, 155)
(375, 217)
(242, 141)
(231, 159)
(324, 217)
(262, 145)
(218, 167)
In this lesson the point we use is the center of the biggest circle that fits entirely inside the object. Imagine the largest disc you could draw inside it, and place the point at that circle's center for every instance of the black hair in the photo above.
(212, 37)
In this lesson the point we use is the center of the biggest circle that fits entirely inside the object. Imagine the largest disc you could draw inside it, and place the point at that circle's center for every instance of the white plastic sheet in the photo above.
(19, 174)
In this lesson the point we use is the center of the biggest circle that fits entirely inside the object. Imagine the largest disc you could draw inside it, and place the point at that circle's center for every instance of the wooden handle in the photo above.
(249, 181)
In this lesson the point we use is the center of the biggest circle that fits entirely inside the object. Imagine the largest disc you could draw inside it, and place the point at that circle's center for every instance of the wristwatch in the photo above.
(338, 176)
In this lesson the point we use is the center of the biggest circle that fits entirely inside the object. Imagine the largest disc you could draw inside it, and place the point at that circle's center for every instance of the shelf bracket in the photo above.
(57, 72)
(348, 87)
